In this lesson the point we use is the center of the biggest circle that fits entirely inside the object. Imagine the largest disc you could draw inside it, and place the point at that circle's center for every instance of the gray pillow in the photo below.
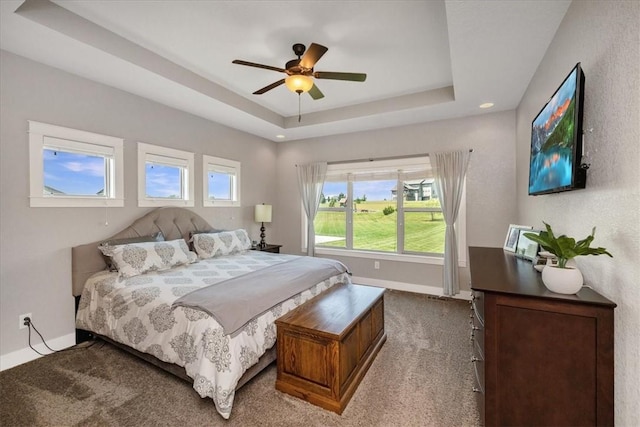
(156, 237)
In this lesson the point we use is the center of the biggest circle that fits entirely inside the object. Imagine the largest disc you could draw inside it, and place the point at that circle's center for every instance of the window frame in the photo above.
(168, 157)
(344, 170)
(220, 165)
(42, 135)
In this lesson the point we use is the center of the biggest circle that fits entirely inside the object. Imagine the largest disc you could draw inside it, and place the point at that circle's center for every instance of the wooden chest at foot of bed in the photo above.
(326, 345)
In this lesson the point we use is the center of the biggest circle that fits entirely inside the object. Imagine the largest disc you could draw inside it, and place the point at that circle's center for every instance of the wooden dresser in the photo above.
(326, 345)
(540, 358)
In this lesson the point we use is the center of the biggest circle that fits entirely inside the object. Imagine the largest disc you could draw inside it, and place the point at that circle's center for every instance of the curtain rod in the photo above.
(381, 158)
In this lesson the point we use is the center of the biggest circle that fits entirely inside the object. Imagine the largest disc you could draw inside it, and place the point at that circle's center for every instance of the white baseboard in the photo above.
(409, 287)
(25, 355)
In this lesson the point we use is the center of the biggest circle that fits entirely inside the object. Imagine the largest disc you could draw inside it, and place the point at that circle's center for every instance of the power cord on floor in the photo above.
(29, 324)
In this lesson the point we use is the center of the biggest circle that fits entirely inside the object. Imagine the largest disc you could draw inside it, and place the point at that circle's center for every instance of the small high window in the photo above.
(165, 176)
(221, 184)
(74, 168)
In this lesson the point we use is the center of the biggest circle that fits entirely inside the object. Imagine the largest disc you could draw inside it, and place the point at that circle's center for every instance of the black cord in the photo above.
(75, 347)
(39, 334)
(29, 326)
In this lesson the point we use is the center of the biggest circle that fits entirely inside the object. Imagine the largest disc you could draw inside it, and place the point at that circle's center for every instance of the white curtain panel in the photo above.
(310, 182)
(449, 171)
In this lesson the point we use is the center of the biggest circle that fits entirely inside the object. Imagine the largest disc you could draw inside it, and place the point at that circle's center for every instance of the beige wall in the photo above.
(35, 258)
(605, 37)
(490, 183)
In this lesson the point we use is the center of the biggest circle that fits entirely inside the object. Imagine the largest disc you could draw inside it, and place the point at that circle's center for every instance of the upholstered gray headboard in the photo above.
(173, 222)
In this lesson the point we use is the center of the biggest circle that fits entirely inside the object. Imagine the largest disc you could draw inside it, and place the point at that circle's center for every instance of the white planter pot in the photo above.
(562, 280)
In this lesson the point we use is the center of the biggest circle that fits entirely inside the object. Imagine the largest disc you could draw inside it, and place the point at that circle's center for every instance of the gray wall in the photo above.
(605, 37)
(490, 183)
(35, 263)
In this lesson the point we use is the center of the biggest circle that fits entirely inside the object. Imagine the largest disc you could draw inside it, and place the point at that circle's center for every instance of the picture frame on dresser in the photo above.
(527, 248)
(513, 233)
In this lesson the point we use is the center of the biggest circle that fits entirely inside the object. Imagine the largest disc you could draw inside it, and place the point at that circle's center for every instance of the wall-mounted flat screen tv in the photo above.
(556, 140)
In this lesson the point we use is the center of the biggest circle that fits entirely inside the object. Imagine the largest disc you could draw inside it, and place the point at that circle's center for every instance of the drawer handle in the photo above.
(476, 390)
(475, 328)
(475, 359)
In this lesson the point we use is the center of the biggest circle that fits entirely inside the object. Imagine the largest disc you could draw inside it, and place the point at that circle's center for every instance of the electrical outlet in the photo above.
(376, 265)
(21, 318)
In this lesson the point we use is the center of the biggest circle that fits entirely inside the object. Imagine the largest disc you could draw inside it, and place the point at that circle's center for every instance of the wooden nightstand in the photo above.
(268, 248)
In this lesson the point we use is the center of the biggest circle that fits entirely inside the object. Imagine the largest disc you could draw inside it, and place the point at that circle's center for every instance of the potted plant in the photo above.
(562, 278)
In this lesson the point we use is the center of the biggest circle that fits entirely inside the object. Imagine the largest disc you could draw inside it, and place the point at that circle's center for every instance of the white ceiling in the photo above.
(425, 60)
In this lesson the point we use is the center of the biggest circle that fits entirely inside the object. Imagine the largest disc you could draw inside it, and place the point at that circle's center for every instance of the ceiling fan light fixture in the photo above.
(298, 83)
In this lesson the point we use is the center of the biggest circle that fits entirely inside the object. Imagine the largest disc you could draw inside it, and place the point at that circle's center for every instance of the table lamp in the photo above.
(262, 214)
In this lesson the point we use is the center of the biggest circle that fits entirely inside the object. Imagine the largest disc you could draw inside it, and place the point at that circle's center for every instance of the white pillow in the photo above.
(138, 258)
(208, 245)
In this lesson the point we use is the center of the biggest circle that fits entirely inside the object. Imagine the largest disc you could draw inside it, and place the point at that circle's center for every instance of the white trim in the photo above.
(387, 256)
(167, 156)
(218, 164)
(25, 355)
(409, 287)
(40, 134)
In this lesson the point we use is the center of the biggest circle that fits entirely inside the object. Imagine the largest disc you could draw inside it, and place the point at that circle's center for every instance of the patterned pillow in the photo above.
(138, 258)
(156, 237)
(210, 245)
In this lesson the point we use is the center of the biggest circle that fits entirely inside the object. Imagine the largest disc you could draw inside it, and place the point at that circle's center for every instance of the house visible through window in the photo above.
(387, 206)
(165, 176)
(221, 184)
(72, 168)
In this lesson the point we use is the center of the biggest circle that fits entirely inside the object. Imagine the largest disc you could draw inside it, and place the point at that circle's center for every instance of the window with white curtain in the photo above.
(221, 184)
(381, 208)
(165, 176)
(74, 168)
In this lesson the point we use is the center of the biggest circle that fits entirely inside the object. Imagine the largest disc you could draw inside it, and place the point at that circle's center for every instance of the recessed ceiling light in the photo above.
(280, 136)
(486, 105)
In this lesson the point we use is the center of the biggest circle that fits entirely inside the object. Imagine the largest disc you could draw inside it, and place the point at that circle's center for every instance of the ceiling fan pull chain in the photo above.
(299, 113)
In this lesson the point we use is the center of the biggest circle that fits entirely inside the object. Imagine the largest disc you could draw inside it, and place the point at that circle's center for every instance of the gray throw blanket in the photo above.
(236, 301)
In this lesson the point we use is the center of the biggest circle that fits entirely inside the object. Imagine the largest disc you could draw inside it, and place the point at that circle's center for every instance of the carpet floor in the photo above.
(421, 377)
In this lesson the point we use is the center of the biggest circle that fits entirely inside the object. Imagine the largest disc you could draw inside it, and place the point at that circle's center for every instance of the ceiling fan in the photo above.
(300, 72)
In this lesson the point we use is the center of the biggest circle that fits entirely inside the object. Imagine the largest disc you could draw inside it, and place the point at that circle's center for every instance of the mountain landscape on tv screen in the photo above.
(552, 141)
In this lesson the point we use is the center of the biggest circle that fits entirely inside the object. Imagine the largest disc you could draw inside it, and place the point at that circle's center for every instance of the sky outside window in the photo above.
(72, 173)
(163, 181)
(220, 186)
(373, 190)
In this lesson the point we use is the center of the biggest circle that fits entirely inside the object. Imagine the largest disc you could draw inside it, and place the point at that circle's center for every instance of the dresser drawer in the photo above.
(478, 369)
(477, 305)
(477, 332)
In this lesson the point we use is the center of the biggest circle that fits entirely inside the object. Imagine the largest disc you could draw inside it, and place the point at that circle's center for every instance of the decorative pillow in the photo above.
(134, 259)
(156, 237)
(193, 233)
(208, 245)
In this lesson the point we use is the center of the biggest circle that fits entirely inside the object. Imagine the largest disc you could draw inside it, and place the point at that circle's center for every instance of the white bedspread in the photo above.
(137, 312)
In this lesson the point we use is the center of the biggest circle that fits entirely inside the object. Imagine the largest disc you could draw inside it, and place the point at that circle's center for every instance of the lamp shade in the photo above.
(299, 83)
(263, 213)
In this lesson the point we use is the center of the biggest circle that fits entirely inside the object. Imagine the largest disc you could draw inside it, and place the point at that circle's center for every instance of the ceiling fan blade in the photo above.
(253, 64)
(268, 88)
(352, 77)
(315, 92)
(312, 55)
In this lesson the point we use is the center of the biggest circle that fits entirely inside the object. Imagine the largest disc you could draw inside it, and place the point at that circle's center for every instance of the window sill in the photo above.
(153, 203)
(73, 202)
(220, 204)
(415, 259)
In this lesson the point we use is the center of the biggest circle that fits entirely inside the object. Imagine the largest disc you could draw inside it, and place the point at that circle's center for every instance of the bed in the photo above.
(150, 315)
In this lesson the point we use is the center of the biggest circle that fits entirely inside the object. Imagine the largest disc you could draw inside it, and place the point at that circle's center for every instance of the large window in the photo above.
(165, 176)
(74, 168)
(221, 185)
(381, 207)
